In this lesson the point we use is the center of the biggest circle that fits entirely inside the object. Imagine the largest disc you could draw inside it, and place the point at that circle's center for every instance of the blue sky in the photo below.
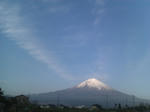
(47, 45)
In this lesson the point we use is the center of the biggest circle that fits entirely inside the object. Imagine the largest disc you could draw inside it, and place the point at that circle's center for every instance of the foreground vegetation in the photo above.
(22, 104)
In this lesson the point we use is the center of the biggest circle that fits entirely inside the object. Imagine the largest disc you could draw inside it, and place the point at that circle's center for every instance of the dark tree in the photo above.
(1, 92)
(2, 98)
(119, 106)
(98, 106)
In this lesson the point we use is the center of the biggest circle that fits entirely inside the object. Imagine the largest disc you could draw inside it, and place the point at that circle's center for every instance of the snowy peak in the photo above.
(93, 83)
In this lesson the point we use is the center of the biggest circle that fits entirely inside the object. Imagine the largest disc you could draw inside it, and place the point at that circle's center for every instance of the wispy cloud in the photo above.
(99, 2)
(100, 68)
(56, 9)
(98, 10)
(51, 1)
(13, 25)
(56, 6)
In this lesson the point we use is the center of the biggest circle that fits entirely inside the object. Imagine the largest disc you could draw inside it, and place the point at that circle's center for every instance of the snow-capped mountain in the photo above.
(91, 91)
(93, 83)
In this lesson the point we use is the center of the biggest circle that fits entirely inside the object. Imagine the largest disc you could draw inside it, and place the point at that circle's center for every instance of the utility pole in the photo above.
(105, 99)
(133, 98)
(106, 96)
(58, 100)
(126, 101)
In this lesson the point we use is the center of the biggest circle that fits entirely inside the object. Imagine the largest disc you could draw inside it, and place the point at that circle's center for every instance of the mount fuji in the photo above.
(91, 91)
(93, 83)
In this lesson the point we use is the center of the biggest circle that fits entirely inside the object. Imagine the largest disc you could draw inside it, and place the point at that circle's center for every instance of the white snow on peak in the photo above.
(93, 83)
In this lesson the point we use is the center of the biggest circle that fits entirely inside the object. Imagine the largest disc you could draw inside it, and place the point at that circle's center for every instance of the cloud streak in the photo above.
(58, 9)
(55, 6)
(13, 25)
(98, 10)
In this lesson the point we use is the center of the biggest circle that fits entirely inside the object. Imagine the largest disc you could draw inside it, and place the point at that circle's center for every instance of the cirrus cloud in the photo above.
(13, 26)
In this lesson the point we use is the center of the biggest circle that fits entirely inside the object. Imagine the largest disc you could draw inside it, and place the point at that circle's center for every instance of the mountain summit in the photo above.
(93, 83)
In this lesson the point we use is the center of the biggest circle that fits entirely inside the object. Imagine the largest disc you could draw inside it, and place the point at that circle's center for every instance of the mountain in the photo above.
(93, 83)
(91, 91)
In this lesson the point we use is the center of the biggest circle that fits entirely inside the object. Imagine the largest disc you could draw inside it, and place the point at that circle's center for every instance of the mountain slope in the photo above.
(91, 91)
